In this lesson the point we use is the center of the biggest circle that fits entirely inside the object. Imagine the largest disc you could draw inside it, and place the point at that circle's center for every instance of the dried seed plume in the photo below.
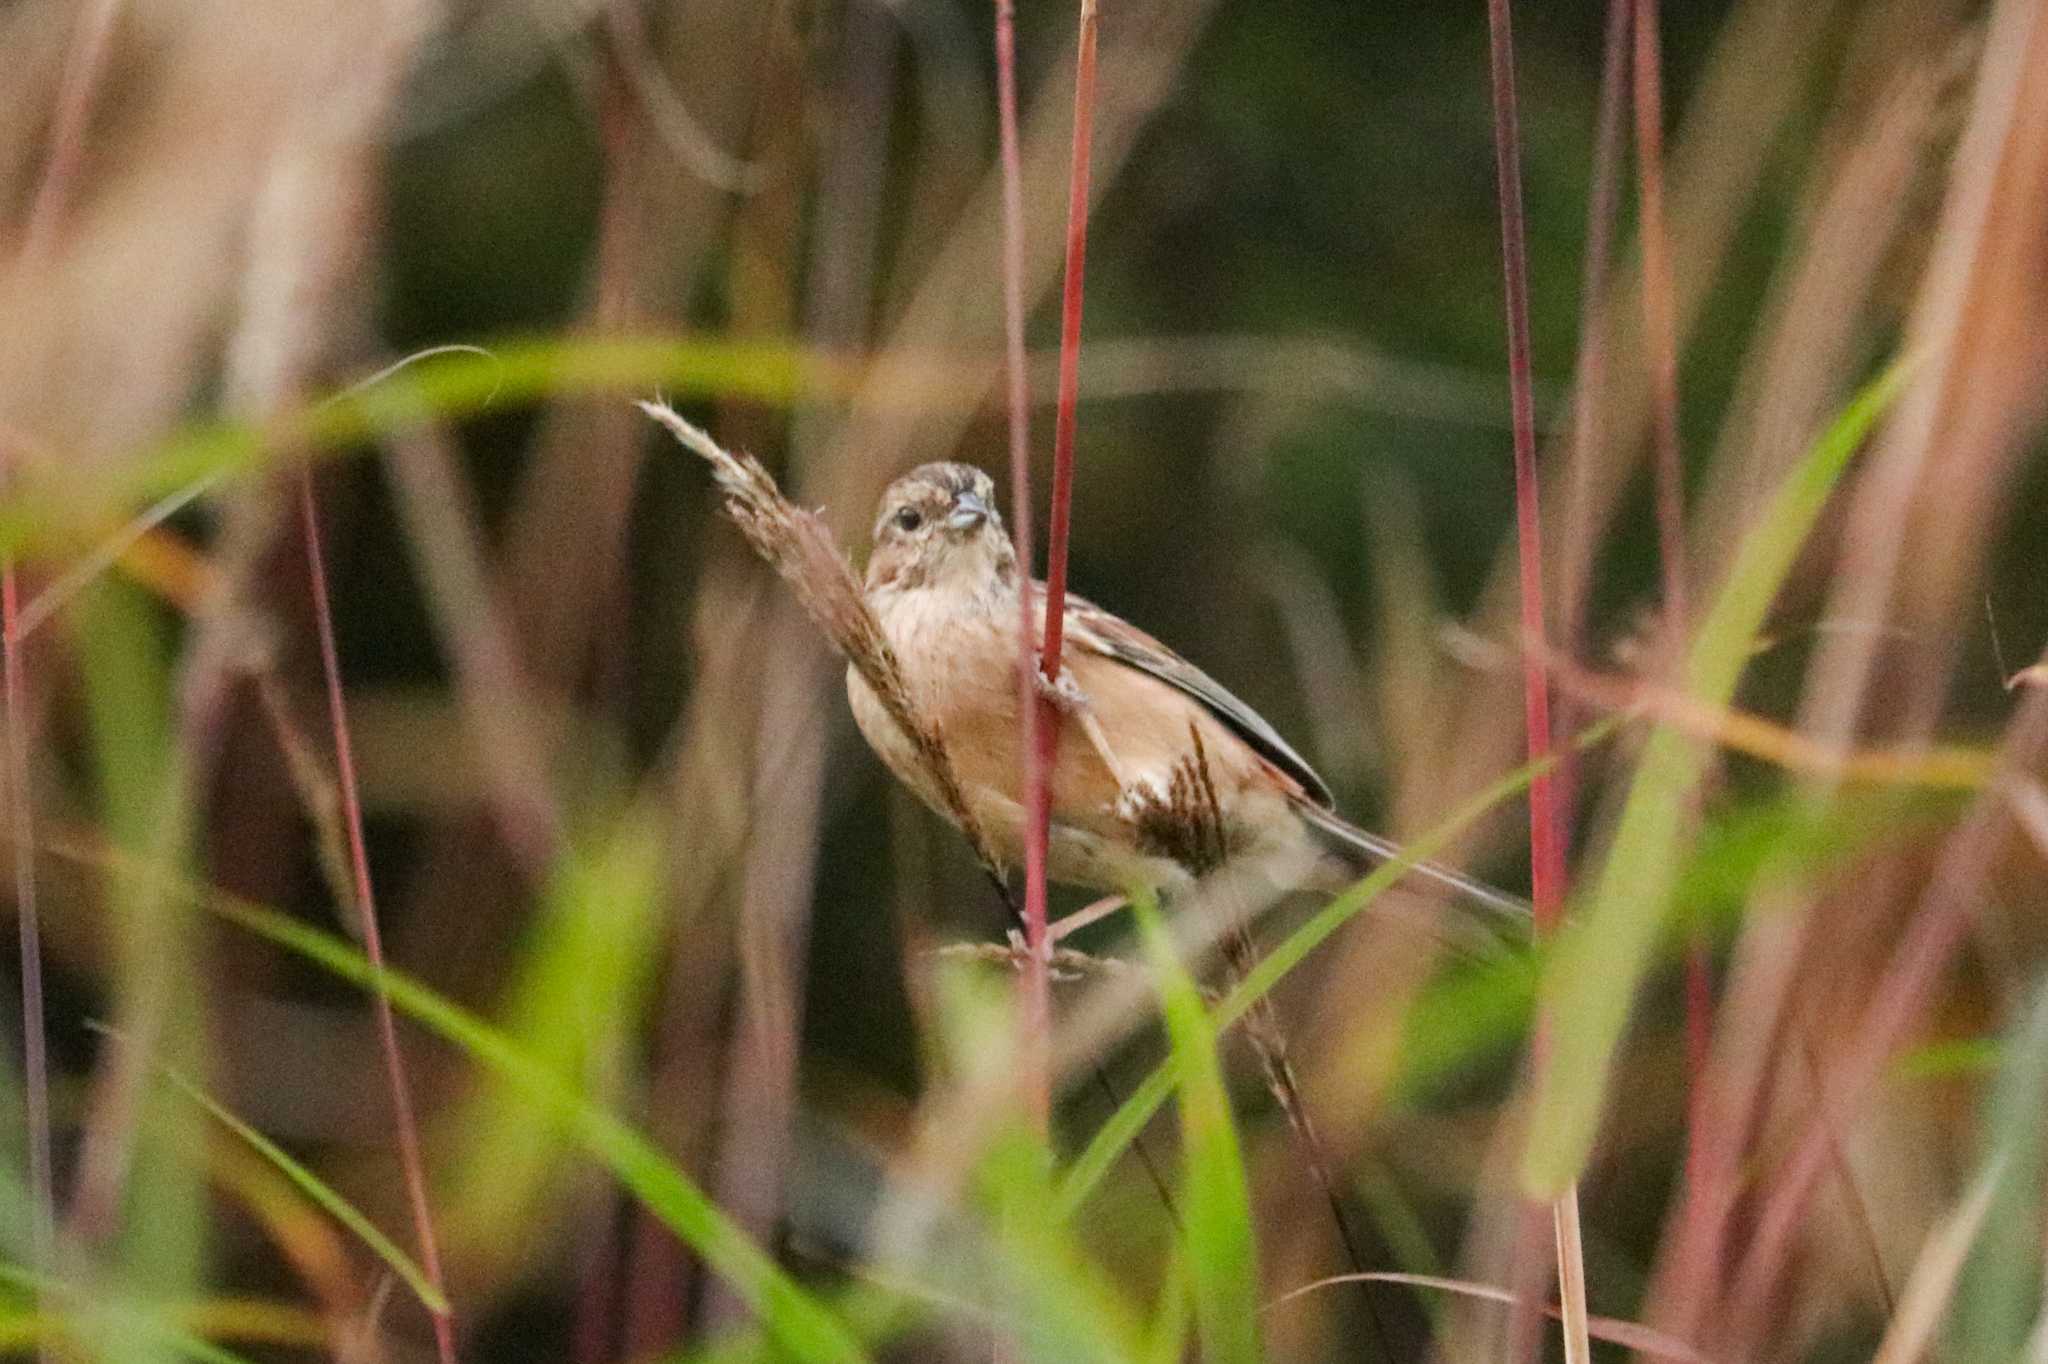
(796, 543)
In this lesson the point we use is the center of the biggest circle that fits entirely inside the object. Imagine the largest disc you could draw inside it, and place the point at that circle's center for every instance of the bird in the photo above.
(1160, 773)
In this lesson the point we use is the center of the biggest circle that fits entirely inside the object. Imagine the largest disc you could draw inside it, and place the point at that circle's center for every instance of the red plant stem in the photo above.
(34, 1048)
(1061, 520)
(1041, 721)
(1545, 852)
(1070, 346)
(1036, 1021)
(373, 943)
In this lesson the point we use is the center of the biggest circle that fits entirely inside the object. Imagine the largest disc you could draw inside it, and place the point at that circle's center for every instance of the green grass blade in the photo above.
(799, 1324)
(313, 1187)
(1784, 835)
(1088, 1169)
(1043, 1289)
(445, 386)
(1959, 1058)
(1462, 1018)
(1487, 1004)
(152, 1194)
(1405, 1232)
(23, 1329)
(872, 1312)
(1168, 1343)
(1481, 1009)
(2001, 1290)
(572, 1008)
(1122, 1127)
(1028, 1272)
(1603, 954)
(112, 1325)
(1216, 1202)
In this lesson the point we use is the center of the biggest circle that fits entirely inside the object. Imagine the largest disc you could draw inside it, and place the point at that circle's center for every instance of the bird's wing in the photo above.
(1096, 630)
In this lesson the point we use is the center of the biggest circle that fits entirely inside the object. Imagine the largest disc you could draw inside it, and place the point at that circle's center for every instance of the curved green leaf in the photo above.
(1216, 1195)
(1604, 951)
(313, 1187)
(799, 1324)
(1122, 1127)
(451, 384)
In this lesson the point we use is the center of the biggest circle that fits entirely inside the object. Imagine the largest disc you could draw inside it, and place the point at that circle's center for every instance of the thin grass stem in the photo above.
(410, 1160)
(1898, 999)
(35, 1065)
(1545, 850)
(1071, 297)
(1060, 520)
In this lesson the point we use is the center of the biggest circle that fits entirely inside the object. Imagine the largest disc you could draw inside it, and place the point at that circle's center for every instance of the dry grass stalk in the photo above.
(1668, 477)
(309, 233)
(313, 779)
(440, 517)
(1613, 1330)
(1935, 932)
(22, 827)
(1589, 392)
(951, 306)
(797, 545)
(1067, 963)
(1546, 849)
(830, 304)
(1038, 723)
(1854, 689)
(1968, 303)
(1820, 319)
(412, 1162)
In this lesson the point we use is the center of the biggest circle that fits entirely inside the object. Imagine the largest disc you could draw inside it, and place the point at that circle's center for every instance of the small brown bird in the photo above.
(1147, 733)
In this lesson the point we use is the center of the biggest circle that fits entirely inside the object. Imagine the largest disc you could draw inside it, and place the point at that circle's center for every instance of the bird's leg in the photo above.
(1066, 697)
(1081, 918)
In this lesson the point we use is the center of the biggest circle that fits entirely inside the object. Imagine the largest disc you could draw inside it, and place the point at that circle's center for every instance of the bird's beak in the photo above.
(968, 512)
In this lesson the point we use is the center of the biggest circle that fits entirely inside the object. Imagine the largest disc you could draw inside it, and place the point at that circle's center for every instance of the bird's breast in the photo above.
(960, 665)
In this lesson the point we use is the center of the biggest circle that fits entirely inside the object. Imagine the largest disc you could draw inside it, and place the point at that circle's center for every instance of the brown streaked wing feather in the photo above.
(1099, 632)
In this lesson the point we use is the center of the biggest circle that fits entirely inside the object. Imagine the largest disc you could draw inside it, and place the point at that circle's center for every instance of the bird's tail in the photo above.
(1353, 852)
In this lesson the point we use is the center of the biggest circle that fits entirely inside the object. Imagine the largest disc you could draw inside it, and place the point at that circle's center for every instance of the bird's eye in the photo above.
(910, 518)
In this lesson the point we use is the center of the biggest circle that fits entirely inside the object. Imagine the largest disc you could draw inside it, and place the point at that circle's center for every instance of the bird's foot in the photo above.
(1064, 696)
(1081, 918)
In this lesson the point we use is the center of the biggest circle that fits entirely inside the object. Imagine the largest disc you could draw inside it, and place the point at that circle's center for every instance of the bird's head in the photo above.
(937, 526)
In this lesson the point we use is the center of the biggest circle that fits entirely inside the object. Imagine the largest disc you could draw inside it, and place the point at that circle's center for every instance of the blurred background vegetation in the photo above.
(612, 800)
